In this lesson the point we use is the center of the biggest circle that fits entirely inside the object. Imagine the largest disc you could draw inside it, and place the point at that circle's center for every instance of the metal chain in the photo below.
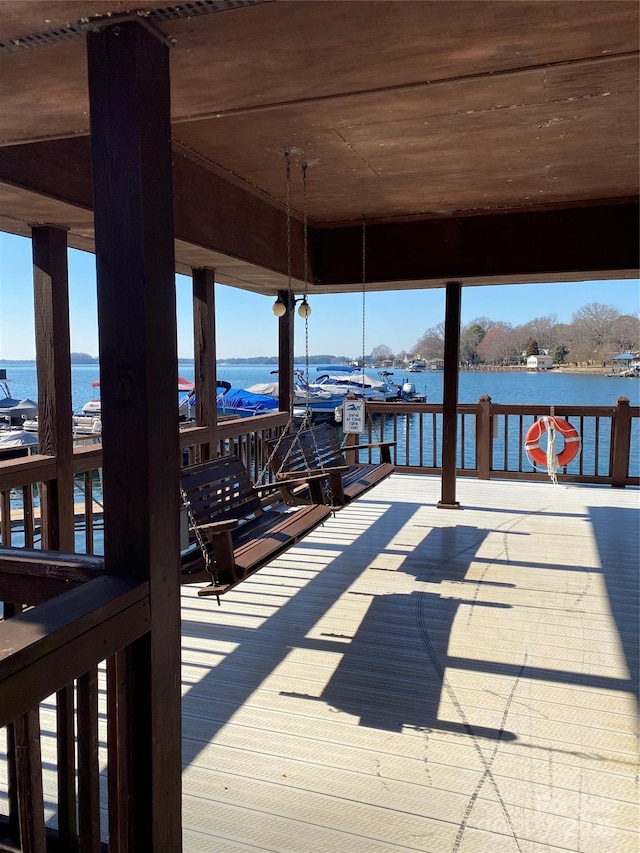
(305, 229)
(364, 280)
(193, 524)
(265, 467)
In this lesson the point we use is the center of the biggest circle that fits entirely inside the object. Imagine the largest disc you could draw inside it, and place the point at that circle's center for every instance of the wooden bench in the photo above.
(240, 534)
(317, 451)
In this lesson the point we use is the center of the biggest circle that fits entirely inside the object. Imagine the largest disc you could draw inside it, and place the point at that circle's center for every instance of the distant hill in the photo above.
(82, 358)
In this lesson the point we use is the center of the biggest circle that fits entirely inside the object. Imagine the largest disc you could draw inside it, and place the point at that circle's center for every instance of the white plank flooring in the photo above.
(415, 679)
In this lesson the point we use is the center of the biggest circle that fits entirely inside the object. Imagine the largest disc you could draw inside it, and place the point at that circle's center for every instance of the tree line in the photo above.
(595, 334)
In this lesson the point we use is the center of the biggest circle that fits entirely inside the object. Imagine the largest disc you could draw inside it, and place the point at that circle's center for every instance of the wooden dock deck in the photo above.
(409, 678)
(415, 679)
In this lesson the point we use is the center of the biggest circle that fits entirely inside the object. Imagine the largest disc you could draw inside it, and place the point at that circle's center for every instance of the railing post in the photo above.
(620, 443)
(483, 438)
(351, 441)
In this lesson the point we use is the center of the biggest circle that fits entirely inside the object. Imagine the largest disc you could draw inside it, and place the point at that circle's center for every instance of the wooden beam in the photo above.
(33, 576)
(511, 245)
(129, 95)
(53, 362)
(450, 396)
(204, 354)
(285, 351)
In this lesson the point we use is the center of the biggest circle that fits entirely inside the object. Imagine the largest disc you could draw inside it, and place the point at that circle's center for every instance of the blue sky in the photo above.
(246, 327)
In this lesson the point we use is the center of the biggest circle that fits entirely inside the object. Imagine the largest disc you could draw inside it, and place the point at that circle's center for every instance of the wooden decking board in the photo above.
(568, 781)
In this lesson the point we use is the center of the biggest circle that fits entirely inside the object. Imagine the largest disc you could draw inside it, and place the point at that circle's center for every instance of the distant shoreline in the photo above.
(478, 368)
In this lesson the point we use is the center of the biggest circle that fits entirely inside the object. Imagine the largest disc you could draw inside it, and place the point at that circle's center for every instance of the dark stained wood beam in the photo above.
(450, 396)
(129, 96)
(510, 245)
(53, 361)
(286, 351)
(204, 354)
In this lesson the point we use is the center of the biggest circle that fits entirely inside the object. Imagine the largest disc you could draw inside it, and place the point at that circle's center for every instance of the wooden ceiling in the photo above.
(483, 141)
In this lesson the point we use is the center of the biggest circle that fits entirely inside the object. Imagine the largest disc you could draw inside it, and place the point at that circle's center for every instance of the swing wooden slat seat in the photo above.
(241, 534)
(316, 451)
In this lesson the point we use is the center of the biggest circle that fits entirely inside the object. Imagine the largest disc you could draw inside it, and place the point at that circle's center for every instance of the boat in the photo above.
(344, 379)
(15, 443)
(13, 412)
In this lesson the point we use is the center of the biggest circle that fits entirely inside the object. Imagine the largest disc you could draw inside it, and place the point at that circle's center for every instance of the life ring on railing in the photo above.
(537, 430)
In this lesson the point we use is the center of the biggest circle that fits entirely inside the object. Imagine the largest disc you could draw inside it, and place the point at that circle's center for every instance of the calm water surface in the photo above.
(503, 387)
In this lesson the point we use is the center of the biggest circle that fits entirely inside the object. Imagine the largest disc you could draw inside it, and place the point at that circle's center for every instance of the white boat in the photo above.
(15, 443)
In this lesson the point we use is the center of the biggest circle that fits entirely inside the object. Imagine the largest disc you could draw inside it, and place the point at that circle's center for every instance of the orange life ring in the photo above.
(537, 430)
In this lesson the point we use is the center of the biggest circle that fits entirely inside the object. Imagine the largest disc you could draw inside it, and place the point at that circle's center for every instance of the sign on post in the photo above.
(353, 416)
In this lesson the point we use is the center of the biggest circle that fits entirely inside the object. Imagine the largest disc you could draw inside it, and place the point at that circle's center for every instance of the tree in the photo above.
(470, 337)
(593, 332)
(625, 334)
(381, 353)
(532, 348)
(558, 353)
(499, 345)
(431, 344)
(542, 329)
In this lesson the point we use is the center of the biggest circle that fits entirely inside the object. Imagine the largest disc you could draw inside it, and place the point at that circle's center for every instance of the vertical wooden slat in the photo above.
(117, 749)
(65, 745)
(53, 362)
(88, 768)
(434, 445)
(88, 512)
(204, 337)
(5, 510)
(8, 611)
(28, 516)
(596, 438)
(129, 95)
(29, 781)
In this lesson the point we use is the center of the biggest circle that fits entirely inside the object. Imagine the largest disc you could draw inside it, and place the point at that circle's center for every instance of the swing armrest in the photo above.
(385, 448)
(297, 478)
(214, 528)
(369, 444)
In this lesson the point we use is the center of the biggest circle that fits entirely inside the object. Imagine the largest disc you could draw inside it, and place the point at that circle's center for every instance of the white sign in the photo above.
(353, 416)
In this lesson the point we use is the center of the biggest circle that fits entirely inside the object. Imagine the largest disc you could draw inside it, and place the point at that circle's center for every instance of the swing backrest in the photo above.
(315, 447)
(220, 490)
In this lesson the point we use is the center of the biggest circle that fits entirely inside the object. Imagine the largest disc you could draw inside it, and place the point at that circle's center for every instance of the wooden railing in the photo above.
(491, 440)
(62, 647)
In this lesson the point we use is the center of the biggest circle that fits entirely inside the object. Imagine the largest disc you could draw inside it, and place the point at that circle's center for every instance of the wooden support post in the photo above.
(128, 71)
(621, 443)
(285, 352)
(204, 339)
(53, 361)
(484, 445)
(450, 396)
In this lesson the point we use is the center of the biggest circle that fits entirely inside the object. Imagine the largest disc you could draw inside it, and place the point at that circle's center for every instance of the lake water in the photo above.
(552, 388)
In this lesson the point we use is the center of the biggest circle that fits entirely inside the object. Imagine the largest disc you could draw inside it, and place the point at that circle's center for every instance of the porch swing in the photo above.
(314, 449)
(235, 535)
